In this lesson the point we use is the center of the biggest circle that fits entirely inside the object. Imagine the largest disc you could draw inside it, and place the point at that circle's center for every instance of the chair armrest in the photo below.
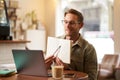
(117, 73)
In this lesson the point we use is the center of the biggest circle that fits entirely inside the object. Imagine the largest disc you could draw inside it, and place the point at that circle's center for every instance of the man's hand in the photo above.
(49, 61)
(60, 62)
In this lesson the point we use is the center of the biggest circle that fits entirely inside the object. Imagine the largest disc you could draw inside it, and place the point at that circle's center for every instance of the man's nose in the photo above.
(68, 25)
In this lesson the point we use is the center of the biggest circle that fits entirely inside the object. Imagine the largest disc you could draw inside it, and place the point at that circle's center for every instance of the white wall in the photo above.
(37, 38)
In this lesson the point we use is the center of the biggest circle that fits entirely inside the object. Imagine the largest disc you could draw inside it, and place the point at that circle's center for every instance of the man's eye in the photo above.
(72, 22)
(65, 21)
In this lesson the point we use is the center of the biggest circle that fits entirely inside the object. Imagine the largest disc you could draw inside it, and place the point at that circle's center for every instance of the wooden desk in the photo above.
(79, 76)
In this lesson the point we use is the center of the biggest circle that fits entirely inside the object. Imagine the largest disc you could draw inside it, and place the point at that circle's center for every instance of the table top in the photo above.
(77, 75)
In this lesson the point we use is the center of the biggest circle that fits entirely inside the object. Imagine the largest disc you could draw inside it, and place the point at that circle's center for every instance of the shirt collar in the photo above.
(78, 42)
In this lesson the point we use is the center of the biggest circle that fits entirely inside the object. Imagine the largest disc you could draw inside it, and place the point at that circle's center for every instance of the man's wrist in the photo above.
(67, 67)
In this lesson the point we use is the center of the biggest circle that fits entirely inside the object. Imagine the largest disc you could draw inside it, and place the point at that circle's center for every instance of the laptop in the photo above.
(30, 62)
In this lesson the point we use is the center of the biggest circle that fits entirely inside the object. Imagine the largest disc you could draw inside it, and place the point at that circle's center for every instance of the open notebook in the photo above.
(60, 48)
(30, 62)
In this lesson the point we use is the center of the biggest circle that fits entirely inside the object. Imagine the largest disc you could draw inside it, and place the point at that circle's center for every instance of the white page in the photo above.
(63, 52)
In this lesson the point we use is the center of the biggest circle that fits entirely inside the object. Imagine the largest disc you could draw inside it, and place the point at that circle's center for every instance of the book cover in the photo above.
(60, 48)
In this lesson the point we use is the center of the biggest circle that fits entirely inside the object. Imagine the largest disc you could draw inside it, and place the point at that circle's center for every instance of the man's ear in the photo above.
(81, 24)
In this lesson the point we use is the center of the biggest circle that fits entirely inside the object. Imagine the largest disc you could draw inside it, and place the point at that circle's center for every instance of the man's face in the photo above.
(71, 25)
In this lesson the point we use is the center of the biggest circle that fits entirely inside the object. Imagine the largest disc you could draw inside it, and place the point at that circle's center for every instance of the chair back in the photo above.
(108, 65)
(110, 61)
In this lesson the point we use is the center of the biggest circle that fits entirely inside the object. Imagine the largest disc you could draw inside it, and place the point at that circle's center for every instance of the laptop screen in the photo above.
(30, 62)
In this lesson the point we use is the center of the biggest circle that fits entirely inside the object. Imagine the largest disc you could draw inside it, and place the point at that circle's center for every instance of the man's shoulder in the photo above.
(86, 45)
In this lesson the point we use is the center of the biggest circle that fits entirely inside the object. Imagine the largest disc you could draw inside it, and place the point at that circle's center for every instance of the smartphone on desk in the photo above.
(69, 75)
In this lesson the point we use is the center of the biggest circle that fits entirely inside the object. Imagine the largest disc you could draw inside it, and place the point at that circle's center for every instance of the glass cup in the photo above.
(57, 72)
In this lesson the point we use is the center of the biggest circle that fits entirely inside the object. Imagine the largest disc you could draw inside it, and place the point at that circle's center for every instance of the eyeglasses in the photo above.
(70, 22)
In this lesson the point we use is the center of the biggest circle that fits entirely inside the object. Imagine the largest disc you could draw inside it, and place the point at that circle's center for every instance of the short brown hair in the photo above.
(73, 11)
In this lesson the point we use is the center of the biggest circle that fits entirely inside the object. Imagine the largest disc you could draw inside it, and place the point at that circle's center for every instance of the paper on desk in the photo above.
(7, 66)
(64, 51)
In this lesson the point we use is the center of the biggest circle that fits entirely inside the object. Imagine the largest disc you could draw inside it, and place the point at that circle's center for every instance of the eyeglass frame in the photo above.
(72, 23)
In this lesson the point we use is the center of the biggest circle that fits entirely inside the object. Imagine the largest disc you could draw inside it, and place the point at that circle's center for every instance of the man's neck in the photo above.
(73, 38)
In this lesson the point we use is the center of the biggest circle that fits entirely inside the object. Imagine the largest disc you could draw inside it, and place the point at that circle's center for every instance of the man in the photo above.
(83, 54)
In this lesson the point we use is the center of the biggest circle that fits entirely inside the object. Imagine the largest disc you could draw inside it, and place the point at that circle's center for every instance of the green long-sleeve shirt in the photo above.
(84, 58)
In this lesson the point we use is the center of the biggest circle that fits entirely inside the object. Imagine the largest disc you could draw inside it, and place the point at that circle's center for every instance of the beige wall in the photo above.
(26, 6)
(50, 13)
(45, 10)
(117, 25)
